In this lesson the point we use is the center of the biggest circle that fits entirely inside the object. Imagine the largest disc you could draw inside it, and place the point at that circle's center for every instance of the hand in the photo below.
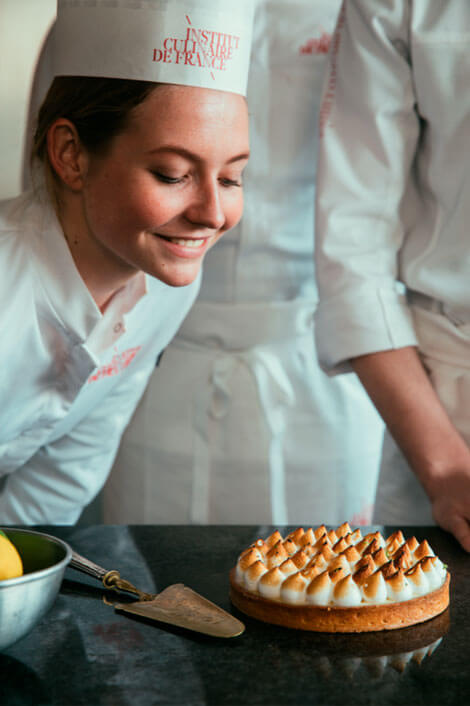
(450, 497)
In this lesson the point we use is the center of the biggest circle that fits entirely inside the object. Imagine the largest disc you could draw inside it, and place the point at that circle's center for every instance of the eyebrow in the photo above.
(191, 155)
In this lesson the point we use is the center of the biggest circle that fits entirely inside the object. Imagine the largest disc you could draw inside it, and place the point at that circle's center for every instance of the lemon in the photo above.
(11, 565)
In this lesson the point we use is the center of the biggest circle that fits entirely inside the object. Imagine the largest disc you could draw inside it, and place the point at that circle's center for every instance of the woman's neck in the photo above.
(102, 274)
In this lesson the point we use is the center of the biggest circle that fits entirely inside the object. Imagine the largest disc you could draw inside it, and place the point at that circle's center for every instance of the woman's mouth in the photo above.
(185, 247)
(185, 242)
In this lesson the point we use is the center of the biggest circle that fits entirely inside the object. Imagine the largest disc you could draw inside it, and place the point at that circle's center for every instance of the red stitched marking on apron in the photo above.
(316, 46)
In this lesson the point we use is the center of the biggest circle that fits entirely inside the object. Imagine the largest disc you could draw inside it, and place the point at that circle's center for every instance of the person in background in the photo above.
(392, 252)
(256, 432)
(138, 162)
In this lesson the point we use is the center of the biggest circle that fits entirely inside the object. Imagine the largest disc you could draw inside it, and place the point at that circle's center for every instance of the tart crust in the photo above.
(364, 618)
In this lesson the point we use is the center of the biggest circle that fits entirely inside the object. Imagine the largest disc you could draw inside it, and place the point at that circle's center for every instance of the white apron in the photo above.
(444, 346)
(239, 424)
(229, 430)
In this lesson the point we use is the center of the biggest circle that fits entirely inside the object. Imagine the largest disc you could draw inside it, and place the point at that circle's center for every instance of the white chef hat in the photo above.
(202, 43)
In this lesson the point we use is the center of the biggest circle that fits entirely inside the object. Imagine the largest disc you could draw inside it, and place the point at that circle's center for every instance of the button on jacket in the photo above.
(393, 183)
(70, 377)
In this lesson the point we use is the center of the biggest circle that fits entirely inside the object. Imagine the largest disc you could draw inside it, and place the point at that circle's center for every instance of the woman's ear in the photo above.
(66, 154)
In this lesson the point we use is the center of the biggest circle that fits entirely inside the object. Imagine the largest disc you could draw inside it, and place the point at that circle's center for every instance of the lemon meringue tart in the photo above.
(340, 581)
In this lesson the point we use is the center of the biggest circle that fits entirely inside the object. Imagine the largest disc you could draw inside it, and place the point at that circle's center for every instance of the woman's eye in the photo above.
(167, 179)
(231, 182)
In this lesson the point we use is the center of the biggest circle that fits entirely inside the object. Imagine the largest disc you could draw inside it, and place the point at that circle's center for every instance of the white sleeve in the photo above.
(369, 130)
(62, 477)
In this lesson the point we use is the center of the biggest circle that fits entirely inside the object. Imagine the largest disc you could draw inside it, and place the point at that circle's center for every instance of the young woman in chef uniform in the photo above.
(393, 253)
(256, 432)
(101, 260)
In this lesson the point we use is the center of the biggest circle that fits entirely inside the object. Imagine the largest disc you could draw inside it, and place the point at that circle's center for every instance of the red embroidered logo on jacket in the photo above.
(317, 46)
(118, 363)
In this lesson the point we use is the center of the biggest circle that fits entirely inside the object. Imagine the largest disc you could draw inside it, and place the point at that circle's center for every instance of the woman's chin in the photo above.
(177, 277)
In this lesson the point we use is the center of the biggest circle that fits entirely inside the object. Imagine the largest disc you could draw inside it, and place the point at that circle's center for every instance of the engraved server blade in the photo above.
(181, 606)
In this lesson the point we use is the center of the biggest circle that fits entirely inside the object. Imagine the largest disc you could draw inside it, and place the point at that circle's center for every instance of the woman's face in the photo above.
(170, 185)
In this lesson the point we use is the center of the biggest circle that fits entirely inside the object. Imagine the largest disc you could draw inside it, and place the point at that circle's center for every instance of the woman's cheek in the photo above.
(236, 210)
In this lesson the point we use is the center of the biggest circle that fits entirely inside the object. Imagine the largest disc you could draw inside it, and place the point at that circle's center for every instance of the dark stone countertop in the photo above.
(83, 652)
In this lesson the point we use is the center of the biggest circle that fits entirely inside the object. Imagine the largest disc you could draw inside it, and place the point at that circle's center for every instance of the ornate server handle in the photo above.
(110, 579)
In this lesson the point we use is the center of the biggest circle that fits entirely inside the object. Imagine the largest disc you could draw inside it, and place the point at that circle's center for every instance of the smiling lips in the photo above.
(185, 242)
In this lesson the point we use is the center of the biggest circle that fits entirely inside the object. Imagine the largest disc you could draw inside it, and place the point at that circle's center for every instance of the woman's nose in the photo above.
(206, 209)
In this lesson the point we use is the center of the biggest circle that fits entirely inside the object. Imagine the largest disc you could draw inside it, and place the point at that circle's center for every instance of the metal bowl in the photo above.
(24, 600)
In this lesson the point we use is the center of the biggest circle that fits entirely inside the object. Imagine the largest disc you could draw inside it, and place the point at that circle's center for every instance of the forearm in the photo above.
(403, 394)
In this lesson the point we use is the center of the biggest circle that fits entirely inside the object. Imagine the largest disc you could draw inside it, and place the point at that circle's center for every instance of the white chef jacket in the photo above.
(71, 377)
(393, 207)
(393, 183)
(261, 433)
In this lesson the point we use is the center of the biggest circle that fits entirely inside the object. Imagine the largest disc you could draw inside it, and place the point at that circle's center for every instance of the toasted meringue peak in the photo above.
(374, 588)
(308, 549)
(396, 538)
(337, 574)
(317, 560)
(369, 539)
(379, 557)
(398, 587)
(340, 546)
(388, 569)
(293, 588)
(423, 550)
(322, 542)
(402, 558)
(396, 580)
(248, 558)
(364, 543)
(343, 530)
(327, 553)
(308, 537)
(365, 561)
(351, 554)
(417, 578)
(276, 555)
(428, 563)
(320, 532)
(261, 546)
(273, 577)
(269, 584)
(310, 572)
(340, 560)
(346, 593)
(300, 559)
(254, 573)
(372, 547)
(356, 536)
(431, 569)
(288, 567)
(363, 573)
(332, 536)
(273, 539)
(412, 543)
(296, 535)
(320, 589)
(290, 546)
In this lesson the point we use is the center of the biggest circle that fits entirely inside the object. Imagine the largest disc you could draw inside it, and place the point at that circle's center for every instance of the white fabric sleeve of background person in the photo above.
(368, 133)
(64, 475)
